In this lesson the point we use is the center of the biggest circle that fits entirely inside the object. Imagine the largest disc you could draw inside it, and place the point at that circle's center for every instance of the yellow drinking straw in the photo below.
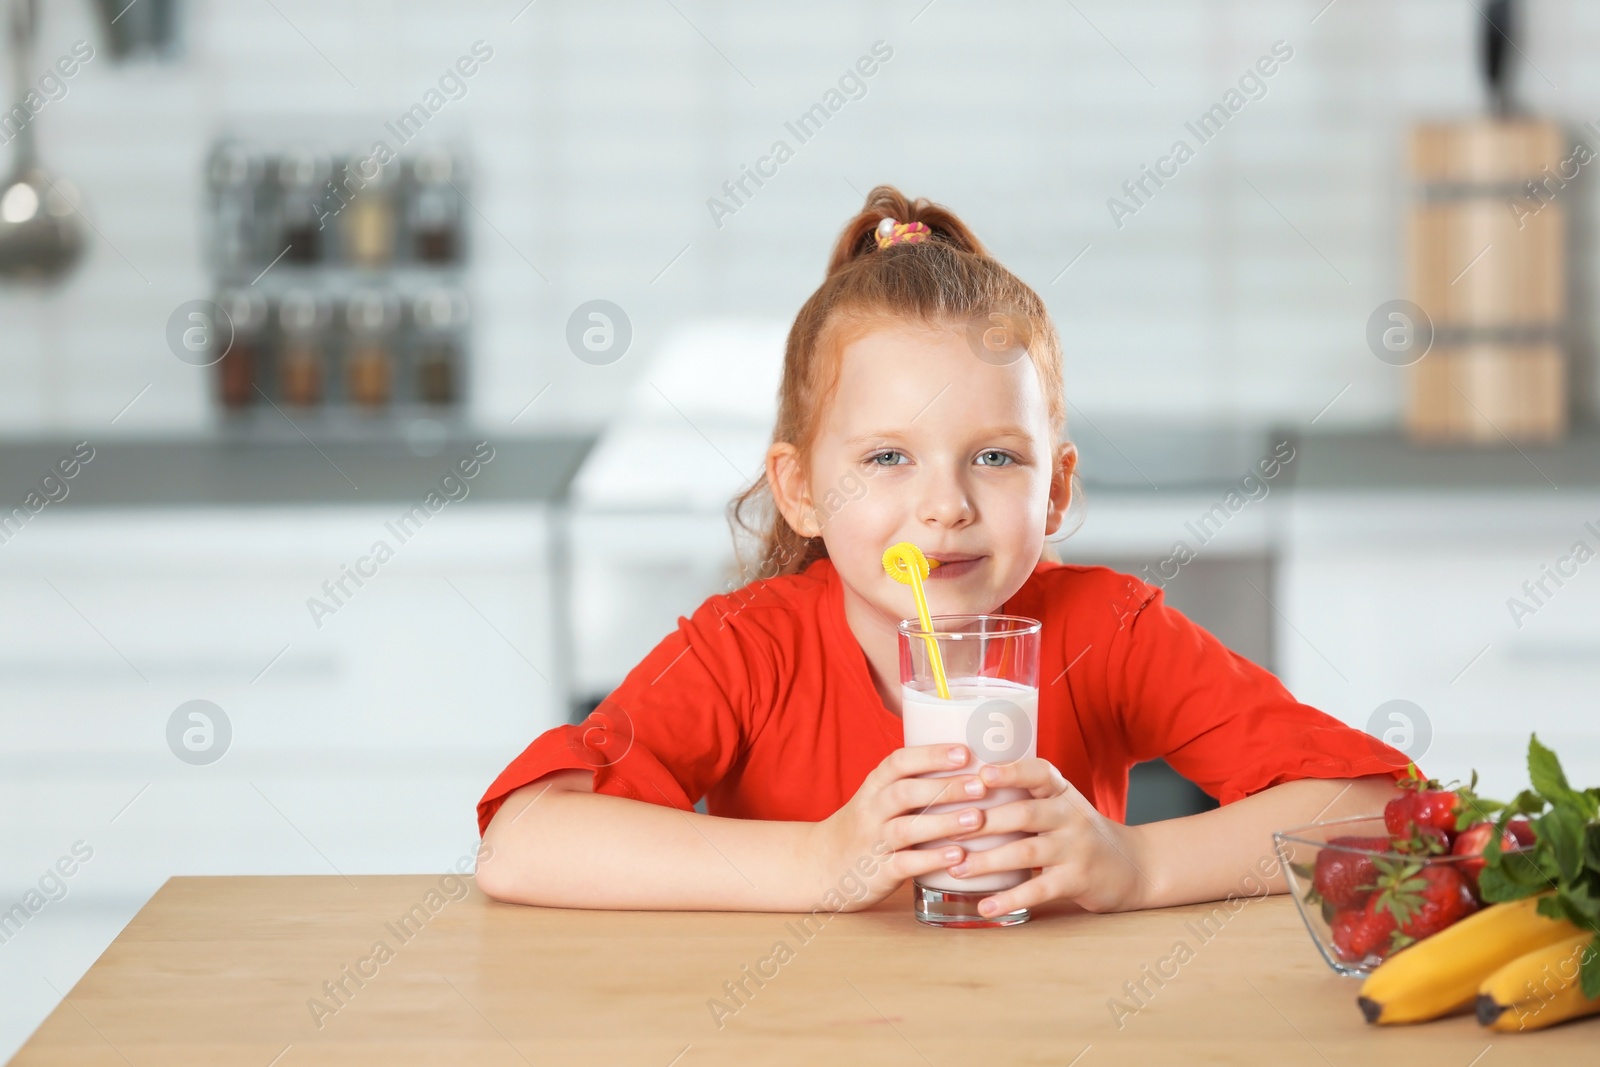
(906, 564)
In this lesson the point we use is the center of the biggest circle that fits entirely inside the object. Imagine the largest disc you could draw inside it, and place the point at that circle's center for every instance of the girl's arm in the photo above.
(1104, 865)
(559, 844)
(1228, 850)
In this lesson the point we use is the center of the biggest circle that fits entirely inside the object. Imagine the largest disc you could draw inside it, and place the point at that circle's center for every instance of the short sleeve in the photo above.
(669, 732)
(1220, 720)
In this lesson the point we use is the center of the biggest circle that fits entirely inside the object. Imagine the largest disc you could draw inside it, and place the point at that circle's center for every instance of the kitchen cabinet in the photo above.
(1405, 596)
(180, 570)
(361, 739)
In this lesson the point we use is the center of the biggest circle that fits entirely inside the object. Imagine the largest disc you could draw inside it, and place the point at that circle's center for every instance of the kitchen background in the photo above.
(1213, 319)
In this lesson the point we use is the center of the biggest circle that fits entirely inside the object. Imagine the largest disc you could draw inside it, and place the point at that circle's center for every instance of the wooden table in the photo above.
(225, 971)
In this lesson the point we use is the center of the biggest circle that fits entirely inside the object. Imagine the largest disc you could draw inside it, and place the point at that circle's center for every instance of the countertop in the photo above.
(193, 472)
(248, 970)
(1121, 459)
(1130, 459)
(1387, 461)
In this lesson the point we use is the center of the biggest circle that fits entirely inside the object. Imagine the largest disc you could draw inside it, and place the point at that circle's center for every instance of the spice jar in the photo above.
(368, 188)
(303, 319)
(370, 317)
(235, 176)
(435, 210)
(302, 211)
(440, 316)
(239, 362)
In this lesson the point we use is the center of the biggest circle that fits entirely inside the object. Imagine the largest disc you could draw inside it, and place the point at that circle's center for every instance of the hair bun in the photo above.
(860, 235)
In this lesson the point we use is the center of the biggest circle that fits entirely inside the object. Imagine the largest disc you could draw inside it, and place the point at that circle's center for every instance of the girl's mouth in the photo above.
(954, 566)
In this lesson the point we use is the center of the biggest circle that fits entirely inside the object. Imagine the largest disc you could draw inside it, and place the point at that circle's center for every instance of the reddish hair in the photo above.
(948, 279)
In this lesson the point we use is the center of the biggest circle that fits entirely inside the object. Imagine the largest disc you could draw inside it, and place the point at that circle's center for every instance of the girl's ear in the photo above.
(1060, 487)
(791, 493)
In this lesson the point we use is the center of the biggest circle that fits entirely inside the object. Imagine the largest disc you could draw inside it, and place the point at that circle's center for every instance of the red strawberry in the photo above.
(1346, 879)
(1522, 830)
(1422, 819)
(1472, 841)
(1397, 814)
(1346, 928)
(1435, 809)
(1362, 932)
(1423, 898)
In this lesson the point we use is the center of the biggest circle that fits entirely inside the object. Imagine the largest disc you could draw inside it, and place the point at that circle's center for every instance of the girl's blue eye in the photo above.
(888, 458)
(995, 458)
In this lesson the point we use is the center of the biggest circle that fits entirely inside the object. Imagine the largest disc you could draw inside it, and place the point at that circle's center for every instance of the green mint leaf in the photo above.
(1581, 906)
(1496, 888)
(1491, 849)
(1562, 834)
(1545, 774)
(1527, 802)
(1589, 970)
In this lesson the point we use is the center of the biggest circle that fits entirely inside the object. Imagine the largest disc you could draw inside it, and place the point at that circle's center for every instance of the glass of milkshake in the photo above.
(991, 663)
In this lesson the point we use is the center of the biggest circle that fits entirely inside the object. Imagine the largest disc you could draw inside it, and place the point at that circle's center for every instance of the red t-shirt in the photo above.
(762, 702)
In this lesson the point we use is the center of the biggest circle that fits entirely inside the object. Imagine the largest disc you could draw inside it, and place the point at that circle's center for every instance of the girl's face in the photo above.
(925, 442)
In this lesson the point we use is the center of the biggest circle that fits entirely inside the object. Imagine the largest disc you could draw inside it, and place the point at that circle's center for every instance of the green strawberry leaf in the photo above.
(1302, 869)
(1420, 842)
(1402, 888)
(1474, 808)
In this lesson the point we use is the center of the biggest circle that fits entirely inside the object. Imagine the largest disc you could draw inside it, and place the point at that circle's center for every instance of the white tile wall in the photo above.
(600, 128)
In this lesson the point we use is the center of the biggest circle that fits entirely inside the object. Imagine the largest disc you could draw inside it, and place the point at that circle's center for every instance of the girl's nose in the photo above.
(946, 504)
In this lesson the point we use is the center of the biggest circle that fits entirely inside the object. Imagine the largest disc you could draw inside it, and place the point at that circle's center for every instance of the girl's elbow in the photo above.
(492, 879)
(497, 875)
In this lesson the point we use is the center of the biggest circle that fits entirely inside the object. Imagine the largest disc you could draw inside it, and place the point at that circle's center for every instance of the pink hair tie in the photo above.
(891, 232)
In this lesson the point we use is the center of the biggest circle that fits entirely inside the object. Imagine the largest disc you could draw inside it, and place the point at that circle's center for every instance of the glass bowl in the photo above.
(1346, 857)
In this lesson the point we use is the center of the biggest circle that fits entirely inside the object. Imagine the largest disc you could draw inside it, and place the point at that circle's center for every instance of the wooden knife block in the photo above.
(1488, 265)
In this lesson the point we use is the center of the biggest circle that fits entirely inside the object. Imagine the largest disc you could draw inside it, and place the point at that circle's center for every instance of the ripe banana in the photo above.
(1538, 989)
(1441, 974)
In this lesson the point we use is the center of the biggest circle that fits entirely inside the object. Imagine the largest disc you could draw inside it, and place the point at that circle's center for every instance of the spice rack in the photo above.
(340, 276)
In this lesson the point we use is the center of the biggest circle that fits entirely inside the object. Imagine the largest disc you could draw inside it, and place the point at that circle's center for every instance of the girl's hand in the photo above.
(1084, 856)
(864, 850)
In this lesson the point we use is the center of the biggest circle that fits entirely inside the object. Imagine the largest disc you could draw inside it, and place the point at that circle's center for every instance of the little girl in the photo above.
(921, 401)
